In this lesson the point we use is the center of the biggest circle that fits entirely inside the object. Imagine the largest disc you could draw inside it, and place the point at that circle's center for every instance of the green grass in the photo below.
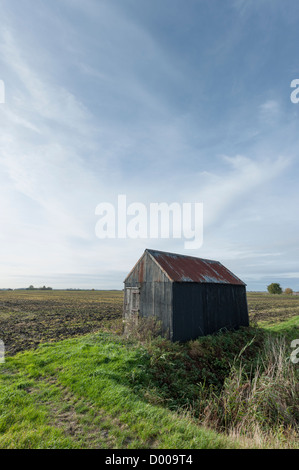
(79, 393)
(288, 328)
(99, 390)
(240, 383)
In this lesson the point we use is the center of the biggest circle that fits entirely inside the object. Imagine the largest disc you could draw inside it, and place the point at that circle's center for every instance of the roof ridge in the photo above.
(180, 255)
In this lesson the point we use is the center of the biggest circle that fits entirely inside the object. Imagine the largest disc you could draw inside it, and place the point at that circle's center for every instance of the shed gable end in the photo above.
(146, 270)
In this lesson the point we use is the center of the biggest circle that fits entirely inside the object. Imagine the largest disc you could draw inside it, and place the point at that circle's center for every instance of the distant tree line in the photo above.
(31, 287)
(275, 288)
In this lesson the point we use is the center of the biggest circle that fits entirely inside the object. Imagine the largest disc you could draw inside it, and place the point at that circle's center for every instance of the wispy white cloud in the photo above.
(270, 111)
(233, 184)
(111, 106)
(44, 178)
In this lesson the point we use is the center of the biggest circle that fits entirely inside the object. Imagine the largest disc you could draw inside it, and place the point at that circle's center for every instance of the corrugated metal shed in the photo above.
(190, 296)
(182, 268)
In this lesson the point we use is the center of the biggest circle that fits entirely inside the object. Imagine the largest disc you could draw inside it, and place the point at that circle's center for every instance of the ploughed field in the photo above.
(30, 317)
(266, 308)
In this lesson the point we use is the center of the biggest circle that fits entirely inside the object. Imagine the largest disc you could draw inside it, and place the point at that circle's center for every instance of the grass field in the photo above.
(71, 380)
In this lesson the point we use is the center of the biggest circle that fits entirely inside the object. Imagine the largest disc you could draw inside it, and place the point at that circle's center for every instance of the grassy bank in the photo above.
(80, 393)
(239, 383)
(100, 390)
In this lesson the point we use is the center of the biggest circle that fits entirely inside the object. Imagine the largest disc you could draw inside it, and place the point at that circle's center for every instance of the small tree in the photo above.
(274, 288)
(288, 290)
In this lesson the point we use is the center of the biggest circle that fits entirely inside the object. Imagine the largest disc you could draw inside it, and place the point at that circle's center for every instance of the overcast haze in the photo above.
(162, 101)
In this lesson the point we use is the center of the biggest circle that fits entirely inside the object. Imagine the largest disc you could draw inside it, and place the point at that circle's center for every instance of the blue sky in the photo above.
(163, 101)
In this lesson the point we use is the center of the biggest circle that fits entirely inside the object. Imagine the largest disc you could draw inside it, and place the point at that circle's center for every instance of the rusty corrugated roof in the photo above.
(182, 268)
